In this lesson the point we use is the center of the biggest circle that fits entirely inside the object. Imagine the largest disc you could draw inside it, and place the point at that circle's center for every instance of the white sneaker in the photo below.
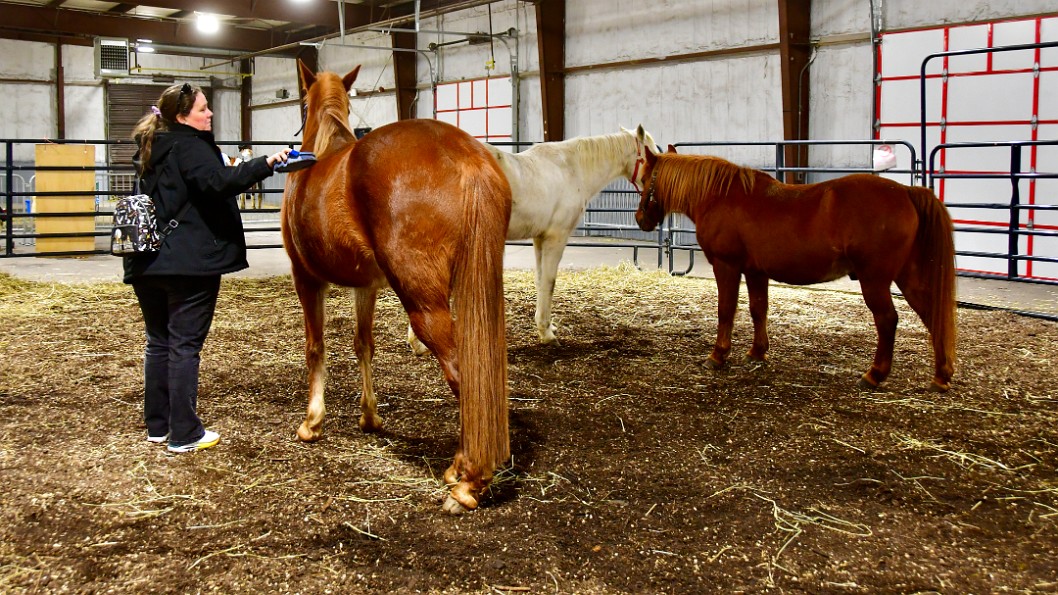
(207, 440)
(158, 439)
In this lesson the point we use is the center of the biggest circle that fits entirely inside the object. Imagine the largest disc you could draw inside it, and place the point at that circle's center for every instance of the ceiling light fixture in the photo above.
(206, 22)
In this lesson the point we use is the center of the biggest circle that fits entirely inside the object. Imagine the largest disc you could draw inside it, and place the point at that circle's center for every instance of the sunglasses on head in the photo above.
(186, 89)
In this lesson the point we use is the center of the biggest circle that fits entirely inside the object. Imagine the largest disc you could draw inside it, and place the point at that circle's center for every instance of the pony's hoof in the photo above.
(757, 363)
(937, 387)
(712, 364)
(866, 383)
(306, 434)
(371, 423)
(453, 507)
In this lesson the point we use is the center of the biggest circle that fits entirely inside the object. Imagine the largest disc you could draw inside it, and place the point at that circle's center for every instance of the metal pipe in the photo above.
(341, 18)
(368, 27)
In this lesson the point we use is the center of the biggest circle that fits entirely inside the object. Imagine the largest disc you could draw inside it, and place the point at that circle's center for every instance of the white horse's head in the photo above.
(644, 143)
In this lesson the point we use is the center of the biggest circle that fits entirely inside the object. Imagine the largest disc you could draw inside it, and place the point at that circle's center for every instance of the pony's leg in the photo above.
(312, 296)
(920, 299)
(416, 345)
(365, 352)
(548, 254)
(879, 300)
(727, 281)
(757, 287)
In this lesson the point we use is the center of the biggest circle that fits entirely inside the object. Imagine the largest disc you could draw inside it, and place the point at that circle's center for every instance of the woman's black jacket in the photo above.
(186, 164)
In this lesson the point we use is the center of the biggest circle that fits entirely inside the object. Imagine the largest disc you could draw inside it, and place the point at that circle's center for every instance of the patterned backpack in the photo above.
(135, 226)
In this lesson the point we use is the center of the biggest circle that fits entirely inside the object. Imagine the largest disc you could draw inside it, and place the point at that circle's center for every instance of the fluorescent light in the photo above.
(144, 49)
(207, 23)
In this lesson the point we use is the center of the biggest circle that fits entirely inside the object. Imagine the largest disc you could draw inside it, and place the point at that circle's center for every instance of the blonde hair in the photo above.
(176, 100)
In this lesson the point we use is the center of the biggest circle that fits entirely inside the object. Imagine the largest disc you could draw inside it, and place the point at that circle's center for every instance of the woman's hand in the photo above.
(278, 157)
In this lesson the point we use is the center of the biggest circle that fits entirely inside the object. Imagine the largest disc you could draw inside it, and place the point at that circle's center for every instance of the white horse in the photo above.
(551, 184)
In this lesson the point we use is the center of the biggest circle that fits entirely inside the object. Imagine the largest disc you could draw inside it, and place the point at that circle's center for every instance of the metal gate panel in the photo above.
(980, 97)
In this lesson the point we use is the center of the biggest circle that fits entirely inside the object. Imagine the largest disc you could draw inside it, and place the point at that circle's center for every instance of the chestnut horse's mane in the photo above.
(684, 180)
(332, 126)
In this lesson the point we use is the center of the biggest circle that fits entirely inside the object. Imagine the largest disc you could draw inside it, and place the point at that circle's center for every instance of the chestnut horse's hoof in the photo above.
(453, 507)
(461, 499)
(712, 364)
(937, 387)
(372, 423)
(305, 434)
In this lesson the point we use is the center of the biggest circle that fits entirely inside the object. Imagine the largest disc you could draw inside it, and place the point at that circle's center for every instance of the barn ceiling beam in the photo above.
(795, 50)
(551, 44)
(309, 13)
(22, 22)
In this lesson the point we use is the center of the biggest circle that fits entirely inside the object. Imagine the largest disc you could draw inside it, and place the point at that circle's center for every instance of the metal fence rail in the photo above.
(1020, 221)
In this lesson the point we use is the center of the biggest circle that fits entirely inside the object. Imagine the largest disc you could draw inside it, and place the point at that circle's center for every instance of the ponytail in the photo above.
(176, 100)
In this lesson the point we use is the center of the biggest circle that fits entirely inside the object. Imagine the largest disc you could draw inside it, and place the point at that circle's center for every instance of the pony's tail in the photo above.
(481, 344)
(935, 253)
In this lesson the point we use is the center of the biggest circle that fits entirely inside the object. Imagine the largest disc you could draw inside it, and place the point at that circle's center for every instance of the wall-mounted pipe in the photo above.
(468, 4)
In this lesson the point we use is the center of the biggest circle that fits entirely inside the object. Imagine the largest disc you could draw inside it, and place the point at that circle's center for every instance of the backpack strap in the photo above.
(175, 221)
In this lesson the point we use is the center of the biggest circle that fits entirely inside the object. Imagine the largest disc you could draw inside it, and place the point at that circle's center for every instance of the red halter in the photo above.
(640, 159)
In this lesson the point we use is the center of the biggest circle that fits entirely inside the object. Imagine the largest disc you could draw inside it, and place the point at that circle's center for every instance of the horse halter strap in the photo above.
(304, 117)
(639, 160)
(653, 184)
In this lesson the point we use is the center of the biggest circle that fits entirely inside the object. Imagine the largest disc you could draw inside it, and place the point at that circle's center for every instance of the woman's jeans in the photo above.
(177, 311)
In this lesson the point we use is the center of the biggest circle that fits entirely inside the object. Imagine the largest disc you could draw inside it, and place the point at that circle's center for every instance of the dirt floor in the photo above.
(635, 468)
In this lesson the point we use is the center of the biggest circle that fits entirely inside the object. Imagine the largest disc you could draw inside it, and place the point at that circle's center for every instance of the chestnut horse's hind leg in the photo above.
(365, 352)
(757, 287)
(727, 282)
(434, 328)
(879, 300)
(312, 294)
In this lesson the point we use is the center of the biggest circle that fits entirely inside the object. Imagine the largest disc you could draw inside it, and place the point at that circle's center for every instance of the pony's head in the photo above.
(644, 145)
(650, 211)
(325, 113)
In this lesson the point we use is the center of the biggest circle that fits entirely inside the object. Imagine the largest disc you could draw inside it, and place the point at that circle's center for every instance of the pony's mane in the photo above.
(332, 109)
(683, 180)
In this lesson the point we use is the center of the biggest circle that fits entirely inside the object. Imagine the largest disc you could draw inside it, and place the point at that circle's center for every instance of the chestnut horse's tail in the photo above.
(935, 255)
(481, 344)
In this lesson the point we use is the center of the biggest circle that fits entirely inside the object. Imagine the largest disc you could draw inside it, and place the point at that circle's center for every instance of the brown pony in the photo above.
(863, 226)
(422, 207)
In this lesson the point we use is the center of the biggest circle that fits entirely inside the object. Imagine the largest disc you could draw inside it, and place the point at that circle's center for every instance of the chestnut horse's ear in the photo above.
(306, 76)
(652, 158)
(349, 79)
(672, 149)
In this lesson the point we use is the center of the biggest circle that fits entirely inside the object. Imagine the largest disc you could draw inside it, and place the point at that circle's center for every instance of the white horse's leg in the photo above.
(417, 346)
(549, 251)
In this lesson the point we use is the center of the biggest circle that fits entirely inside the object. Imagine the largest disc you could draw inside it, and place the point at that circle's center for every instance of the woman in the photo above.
(179, 163)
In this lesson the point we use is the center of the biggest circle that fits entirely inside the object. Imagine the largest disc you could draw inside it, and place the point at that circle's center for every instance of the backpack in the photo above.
(135, 226)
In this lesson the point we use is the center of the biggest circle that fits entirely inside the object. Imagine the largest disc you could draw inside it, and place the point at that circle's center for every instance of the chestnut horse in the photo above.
(869, 228)
(422, 207)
